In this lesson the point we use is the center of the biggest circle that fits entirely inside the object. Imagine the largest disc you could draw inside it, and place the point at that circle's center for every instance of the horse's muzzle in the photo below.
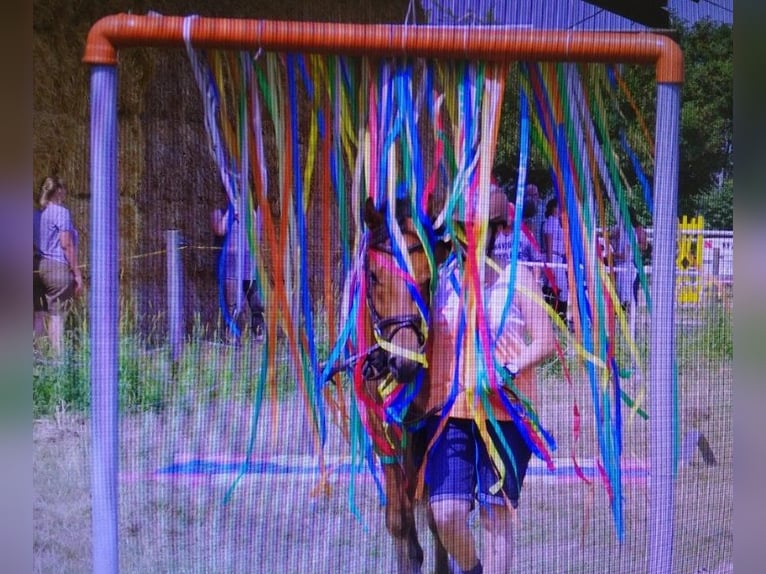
(404, 370)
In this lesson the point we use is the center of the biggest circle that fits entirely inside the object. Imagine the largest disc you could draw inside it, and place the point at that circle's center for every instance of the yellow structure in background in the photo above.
(689, 259)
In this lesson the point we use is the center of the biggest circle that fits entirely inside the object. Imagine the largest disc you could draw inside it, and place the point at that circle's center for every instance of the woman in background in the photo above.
(59, 269)
(228, 223)
(555, 252)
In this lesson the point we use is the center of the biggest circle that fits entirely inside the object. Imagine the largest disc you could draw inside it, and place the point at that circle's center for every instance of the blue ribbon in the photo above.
(303, 235)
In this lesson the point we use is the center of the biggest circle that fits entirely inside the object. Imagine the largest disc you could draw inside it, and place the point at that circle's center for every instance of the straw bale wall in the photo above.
(167, 179)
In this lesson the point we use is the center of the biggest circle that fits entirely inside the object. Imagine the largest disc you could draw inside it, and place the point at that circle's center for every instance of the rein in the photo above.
(349, 362)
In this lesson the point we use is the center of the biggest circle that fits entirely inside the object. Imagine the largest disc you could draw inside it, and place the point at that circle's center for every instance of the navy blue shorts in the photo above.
(459, 466)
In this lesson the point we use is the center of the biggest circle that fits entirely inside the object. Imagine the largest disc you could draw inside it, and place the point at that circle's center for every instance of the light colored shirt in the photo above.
(503, 247)
(446, 316)
(552, 228)
(54, 220)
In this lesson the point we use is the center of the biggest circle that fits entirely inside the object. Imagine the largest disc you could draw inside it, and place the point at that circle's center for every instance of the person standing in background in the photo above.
(623, 278)
(227, 223)
(59, 268)
(627, 281)
(644, 247)
(555, 253)
(534, 218)
(501, 237)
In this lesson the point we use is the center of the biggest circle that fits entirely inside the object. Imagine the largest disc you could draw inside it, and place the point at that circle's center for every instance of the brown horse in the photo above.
(396, 322)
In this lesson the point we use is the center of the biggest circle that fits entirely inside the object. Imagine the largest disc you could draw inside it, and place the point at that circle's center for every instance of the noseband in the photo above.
(385, 328)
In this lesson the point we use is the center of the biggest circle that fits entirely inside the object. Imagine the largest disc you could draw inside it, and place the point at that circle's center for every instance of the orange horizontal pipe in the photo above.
(464, 42)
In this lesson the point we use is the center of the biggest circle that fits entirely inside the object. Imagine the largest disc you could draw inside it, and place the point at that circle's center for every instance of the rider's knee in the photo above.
(448, 512)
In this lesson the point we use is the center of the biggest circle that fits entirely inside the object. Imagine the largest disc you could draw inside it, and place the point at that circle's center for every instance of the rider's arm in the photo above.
(539, 330)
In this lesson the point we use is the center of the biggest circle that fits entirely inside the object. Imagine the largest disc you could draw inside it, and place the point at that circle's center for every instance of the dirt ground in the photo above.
(178, 523)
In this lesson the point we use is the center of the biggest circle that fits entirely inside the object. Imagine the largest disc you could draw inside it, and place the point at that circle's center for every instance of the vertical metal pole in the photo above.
(632, 312)
(716, 266)
(104, 312)
(175, 294)
(662, 333)
(713, 282)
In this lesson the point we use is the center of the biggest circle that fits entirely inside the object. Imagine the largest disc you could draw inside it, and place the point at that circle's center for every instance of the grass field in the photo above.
(273, 522)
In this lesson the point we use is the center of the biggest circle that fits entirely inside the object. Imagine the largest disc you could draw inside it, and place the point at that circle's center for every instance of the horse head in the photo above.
(398, 279)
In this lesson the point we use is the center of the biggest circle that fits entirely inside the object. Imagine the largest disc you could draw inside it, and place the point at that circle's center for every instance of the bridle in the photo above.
(375, 365)
(375, 357)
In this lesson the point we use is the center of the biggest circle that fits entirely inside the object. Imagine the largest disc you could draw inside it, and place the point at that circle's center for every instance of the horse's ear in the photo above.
(372, 218)
(431, 208)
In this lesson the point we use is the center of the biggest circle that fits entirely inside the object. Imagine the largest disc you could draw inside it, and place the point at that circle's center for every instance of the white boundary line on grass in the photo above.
(305, 468)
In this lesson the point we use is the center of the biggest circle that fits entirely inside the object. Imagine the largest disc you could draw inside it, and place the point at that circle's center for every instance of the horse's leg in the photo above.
(400, 521)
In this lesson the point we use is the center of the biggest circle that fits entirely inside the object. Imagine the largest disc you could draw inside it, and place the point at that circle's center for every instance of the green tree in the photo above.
(706, 155)
(716, 205)
(707, 111)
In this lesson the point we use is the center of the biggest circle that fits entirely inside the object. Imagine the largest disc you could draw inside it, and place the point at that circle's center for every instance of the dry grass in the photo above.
(274, 524)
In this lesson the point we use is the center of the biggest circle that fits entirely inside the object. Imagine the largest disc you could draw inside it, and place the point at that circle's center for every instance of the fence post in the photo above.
(716, 262)
(175, 294)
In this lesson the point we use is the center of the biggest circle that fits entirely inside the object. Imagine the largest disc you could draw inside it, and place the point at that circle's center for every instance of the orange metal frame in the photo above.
(495, 43)
(481, 43)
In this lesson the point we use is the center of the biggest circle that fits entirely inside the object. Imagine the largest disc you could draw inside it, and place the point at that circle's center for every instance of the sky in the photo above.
(565, 14)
